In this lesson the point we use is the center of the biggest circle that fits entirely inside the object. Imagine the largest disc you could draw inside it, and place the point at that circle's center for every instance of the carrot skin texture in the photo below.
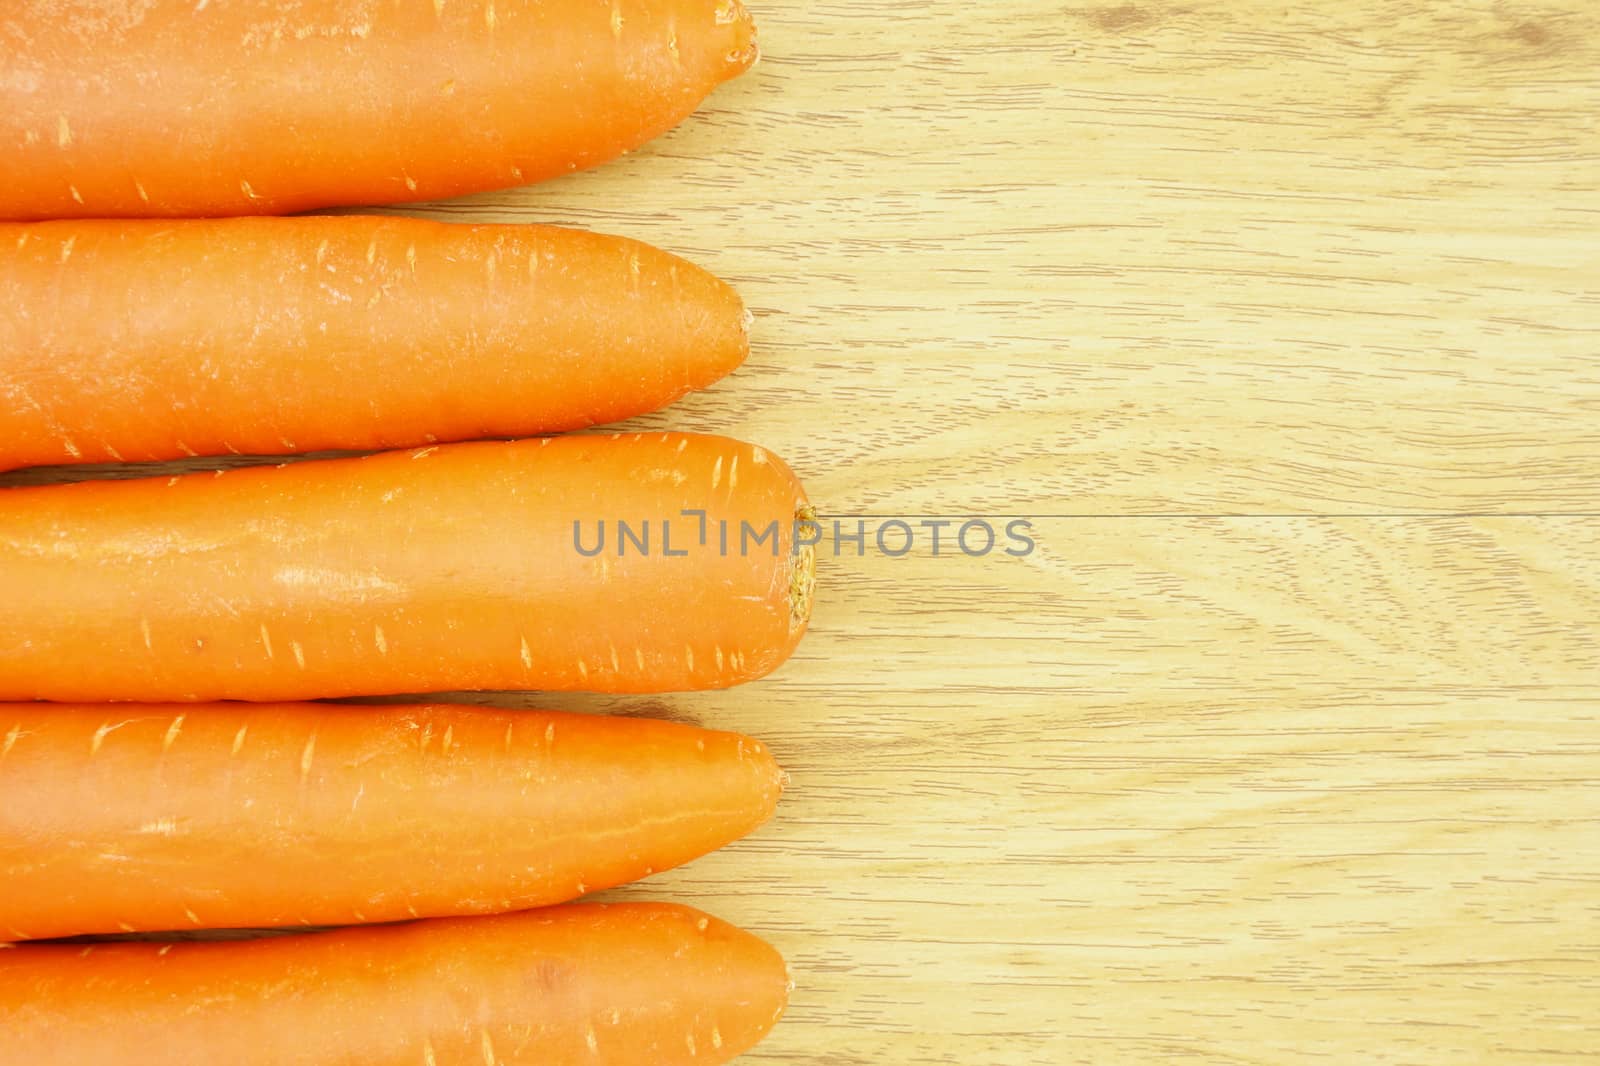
(172, 108)
(140, 340)
(441, 569)
(581, 985)
(150, 818)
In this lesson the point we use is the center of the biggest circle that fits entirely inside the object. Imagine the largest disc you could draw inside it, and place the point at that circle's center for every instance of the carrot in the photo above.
(152, 340)
(624, 985)
(148, 818)
(537, 564)
(180, 108)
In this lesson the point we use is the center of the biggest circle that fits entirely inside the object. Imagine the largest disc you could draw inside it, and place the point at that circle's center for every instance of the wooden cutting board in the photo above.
(1281, 325)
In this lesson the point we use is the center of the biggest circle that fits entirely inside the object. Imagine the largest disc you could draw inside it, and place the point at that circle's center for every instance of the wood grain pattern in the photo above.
(1283, 326)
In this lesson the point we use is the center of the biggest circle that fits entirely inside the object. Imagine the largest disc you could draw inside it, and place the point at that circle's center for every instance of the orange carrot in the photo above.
(152, 340)
(537, 564)
(148, 818)
(581, 985)
(181, 108)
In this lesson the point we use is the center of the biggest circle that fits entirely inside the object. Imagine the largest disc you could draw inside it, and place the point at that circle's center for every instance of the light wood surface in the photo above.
(1282, 323)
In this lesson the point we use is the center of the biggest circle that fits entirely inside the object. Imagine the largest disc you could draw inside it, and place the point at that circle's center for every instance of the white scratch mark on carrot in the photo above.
(372, 252)
(682, 444)
(307, 755)
(490, 265)
(138, 187)
(86, 952)
(322, 252)
(527, 655)
(592, 1041)
(510, 728)
(186, 450)
(490, 19)
(245, 187)
(64, 133)
(616, 19)
(700, 745)
(733, 474)
(672, 40)
(727, 13)
(516, 172)
(380, 640)
(716, 473)
(550, 733)
(144, 631)
(360, 32)
(703, 924)
(287, 443)
(426, 738)
(635, 271)
(614, 1016)
(299, 653)
(446, 741)
(238, 738)
(163, 827)
(428, 1057)
(266, 640)
(488, 1048)
(717, 650)
(11, 740)
(22, 242)
(412, 910)
(173, 730)
(101, 733)
(361, 790)
(126, 928)
(30, 137)
(411, 259)
(423, 453)
(638, 657)
(191, 915)
(163, 950)
(438, 8)
(688, 656)
(411, 183)
(583, 670)
(688, 1042)
(375, 299)
(716, 1038)
(616, 664)
(70, 242)
(583, 889)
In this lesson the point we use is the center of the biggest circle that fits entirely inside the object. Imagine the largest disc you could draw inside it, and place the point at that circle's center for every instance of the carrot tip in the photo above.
(747, 48)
